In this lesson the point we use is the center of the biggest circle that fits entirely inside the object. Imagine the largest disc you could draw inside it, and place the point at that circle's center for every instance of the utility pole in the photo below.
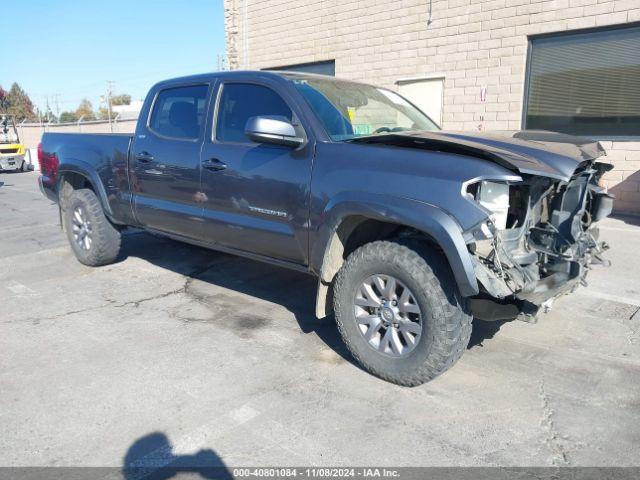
(56, 96)
(109, 92)
(48, 108)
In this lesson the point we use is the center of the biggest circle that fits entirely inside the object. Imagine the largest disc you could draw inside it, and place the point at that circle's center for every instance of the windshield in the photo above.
(350, 110)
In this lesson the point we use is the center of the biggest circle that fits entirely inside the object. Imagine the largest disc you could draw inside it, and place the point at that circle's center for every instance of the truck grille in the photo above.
(8, 150)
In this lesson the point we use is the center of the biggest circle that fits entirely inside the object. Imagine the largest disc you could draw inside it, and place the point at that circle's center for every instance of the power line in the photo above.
(152, 75)
(144, 79)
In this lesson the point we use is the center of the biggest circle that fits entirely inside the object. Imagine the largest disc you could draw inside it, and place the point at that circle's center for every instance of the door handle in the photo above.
(144, 157)
(214, 165)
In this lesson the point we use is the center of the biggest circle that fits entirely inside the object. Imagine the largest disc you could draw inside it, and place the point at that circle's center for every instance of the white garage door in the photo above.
(426, 94)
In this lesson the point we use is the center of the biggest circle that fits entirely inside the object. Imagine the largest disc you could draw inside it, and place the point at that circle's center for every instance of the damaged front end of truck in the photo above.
(539, 241)
(538, 236)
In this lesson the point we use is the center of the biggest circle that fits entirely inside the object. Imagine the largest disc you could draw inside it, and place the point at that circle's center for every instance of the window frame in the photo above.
(527, 78)
(214, 124)
(173, 87)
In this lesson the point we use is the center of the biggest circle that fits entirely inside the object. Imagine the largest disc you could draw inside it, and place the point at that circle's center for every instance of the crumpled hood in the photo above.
(534, 152)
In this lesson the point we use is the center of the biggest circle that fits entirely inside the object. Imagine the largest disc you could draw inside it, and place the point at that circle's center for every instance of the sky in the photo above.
(70, 48)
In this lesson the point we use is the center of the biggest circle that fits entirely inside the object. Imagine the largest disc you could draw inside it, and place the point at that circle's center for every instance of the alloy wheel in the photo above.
(388, 315)
(82, 229)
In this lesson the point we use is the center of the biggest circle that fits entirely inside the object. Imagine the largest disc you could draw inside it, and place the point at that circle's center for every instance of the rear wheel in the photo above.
(93, 238)
(399, 312)
(24, 167)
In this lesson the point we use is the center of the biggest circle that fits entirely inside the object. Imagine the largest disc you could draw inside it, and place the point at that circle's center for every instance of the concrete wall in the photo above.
(30, 134)
(472, 43)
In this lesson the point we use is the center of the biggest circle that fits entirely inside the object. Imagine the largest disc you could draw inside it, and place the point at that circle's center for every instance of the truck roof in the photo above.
(274, 74)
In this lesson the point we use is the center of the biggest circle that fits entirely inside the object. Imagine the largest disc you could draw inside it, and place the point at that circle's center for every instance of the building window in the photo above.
(322, 68)
(585, 83)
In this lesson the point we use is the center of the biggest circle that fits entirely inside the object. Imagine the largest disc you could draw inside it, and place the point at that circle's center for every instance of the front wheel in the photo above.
(93, 238)
(399, 312)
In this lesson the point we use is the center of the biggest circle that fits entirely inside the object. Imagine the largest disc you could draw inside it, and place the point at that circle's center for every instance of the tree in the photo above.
(122, 99)
(85, 108)
(4, 101)
(103, 114)
(16, 102)
(66, 117)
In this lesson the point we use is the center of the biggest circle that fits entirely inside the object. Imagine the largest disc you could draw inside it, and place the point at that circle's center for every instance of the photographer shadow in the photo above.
(151, 458)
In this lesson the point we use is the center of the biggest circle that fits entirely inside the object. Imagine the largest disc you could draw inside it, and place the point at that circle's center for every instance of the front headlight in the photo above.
(493, 197)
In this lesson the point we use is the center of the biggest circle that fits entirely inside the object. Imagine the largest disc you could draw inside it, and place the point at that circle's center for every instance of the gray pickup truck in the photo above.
(410, 230)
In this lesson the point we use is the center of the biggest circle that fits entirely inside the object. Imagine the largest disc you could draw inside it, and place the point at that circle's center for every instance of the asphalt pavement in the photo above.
(205, 355)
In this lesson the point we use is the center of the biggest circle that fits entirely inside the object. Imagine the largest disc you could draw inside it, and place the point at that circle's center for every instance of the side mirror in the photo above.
(272, 129)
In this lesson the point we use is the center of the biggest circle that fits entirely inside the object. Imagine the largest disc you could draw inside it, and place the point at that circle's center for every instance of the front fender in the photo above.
(424, 217)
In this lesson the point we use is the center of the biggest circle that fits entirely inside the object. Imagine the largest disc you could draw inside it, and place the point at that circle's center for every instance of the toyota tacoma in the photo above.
(410, 230)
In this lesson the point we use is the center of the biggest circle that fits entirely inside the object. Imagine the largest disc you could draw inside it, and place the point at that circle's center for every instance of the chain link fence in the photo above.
(31, 133)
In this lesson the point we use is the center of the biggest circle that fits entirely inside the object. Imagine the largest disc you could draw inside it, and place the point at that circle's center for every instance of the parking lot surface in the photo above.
(219, 357)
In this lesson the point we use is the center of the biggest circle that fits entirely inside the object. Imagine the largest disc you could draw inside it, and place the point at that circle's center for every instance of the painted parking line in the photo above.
(609, 296)
(620, 229)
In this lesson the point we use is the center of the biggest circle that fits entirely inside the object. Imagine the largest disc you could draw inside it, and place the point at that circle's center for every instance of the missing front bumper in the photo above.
(522, 292)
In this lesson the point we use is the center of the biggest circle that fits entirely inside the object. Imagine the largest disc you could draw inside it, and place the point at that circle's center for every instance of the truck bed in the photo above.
(102, 157)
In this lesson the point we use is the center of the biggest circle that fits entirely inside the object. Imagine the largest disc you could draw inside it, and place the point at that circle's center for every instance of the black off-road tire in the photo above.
(105, 237)
(446, 321)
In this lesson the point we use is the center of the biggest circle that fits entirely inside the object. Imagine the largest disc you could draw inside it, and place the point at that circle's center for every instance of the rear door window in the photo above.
(241, 101)
(179, 112)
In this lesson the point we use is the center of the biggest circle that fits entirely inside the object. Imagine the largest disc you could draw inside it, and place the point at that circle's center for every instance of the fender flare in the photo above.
(426, 218)
(84, 169)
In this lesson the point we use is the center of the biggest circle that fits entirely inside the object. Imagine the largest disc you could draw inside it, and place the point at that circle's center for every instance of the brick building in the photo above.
(565, 65)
